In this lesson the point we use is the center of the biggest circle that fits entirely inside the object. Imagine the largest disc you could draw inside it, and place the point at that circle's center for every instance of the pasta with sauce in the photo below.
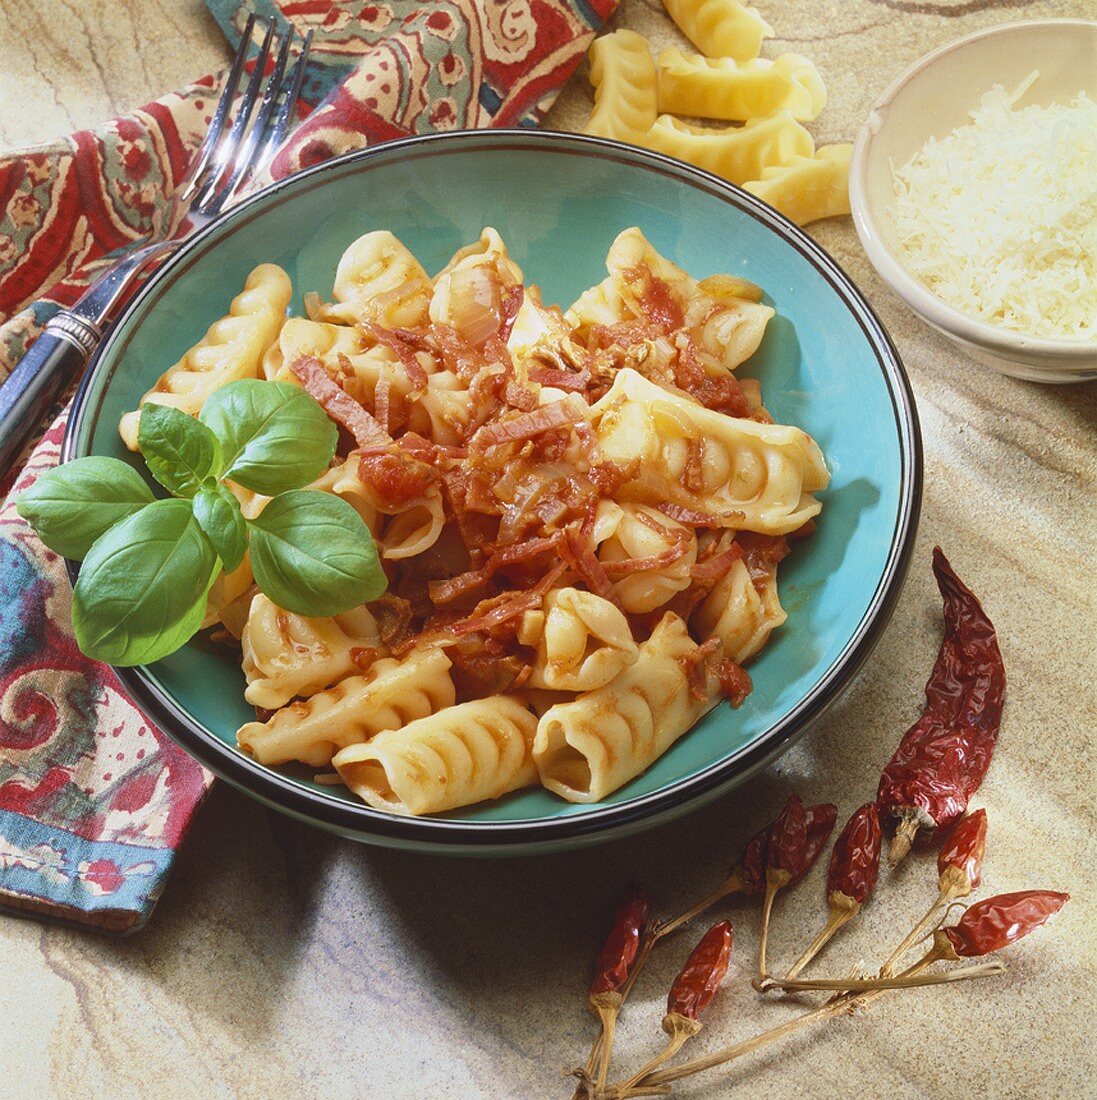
(581, 516)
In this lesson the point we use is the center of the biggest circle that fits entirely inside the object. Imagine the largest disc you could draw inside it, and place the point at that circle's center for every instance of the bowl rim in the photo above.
(919, 297)
(600, 822)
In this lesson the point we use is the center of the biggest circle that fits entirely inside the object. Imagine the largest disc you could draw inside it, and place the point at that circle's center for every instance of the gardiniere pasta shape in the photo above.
(659, 553)
(721, 28)
(232, 349)
(736, 91)
(737, 153)
(623, 74)
(806, 189)
(379, 280)
(741, 473)
(589, 747)
(740, 615)
(468, 753)
(580, 516)
(288, 655)
(583, 642)
(392, 693)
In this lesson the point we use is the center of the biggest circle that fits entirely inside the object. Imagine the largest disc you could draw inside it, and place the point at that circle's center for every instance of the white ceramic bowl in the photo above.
(930, 100)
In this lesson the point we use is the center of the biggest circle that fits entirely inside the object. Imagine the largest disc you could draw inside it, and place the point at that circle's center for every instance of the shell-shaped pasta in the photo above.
(232, 349)
(288, 655)
(587, 748)
(623, 75)
(737, 153)
(736, 91)
(721, 28)
(465, 754)
(736, 613)
(647, 537)
(442, 412)
(391, 694)
(602, 304)
(489, 245)
(752, 476)
(415, 526)
(728, 331)
(379, 280)
(468, 294)
(807, 188)
(229, 597)
(585, 642)
(300, 336)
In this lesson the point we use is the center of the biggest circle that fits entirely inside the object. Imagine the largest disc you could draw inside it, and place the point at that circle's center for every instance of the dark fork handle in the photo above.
(53, 361)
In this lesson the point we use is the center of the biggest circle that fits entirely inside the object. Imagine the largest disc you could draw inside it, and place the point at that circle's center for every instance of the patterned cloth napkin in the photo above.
(94, 799)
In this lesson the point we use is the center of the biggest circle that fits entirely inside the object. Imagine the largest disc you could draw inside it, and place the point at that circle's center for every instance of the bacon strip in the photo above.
(558, 414)
(690, 515)
(572, 381)
(404, 352)
(337, 403)
(717, 565)
(578, 553)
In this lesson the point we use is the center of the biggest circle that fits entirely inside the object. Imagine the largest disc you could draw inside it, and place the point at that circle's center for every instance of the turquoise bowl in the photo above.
(559, 200)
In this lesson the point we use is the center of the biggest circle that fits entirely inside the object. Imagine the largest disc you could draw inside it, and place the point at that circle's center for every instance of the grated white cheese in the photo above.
(999, 218)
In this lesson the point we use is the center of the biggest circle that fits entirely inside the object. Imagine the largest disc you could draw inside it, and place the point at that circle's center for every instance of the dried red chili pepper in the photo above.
(611, 968)
(751, 871)
(698, 980)
(851, 877)
(959, 866)
(615, 962)
(944, 756)
(997, 922)
(795, 840)
(960, 861)
(690, 995)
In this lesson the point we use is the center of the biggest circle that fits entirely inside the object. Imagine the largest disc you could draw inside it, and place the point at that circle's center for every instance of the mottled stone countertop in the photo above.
(284, 962)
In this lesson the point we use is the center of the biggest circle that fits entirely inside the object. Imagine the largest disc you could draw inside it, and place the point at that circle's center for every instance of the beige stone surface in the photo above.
(284, 962)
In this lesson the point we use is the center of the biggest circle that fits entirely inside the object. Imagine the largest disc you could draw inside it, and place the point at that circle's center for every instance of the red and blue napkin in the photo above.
(94, 800)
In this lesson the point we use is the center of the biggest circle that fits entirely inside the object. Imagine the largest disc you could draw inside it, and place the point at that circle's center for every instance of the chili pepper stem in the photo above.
(608, 1007)
(863, 985)
(732, 885)
(918, 931)
(840, 914)
(774, 881)
(903, 840)
(836, 1006)
(680, 1029)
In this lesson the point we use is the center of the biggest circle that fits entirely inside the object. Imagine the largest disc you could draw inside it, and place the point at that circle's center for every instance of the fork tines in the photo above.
(228, 161)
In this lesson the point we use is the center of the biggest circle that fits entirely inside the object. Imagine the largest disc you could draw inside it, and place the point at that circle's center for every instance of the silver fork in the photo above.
(230, 157)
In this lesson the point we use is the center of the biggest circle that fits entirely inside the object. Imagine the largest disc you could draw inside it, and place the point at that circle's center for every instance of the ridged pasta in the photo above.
(584, 642)
(229, 598)
(586, 749)
(721, 28)
(288, 655)
(390, 695)
(490, 247)
(414, 526)
(623, 74)
(738, 153)
(736, 91)
(467, 753)
(749, 475)
(642, 532)
(232, 349)
(806, 189)
(738, 614)
(379, 280)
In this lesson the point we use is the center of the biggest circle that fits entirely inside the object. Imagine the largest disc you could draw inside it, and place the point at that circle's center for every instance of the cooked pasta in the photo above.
(232, 349)
(589, 747)
(581, 516)
(469, 753)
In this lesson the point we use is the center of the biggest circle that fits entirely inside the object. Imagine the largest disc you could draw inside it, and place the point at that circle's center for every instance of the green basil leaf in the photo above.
(180, 452)
(70, 506)
(142, 588)
(312, 554)
(274, 436)
(218, 514)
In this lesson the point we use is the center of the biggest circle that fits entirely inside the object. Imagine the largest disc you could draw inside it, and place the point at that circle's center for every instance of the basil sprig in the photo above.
(148, 564)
